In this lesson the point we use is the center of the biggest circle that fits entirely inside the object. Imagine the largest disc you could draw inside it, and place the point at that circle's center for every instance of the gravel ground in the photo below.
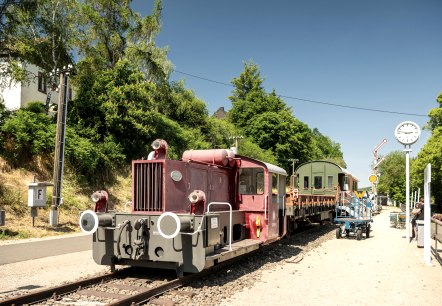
(308, 269)
(381, 270)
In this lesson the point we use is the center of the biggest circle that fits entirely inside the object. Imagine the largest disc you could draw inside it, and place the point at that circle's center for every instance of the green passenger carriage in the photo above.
(315, 189)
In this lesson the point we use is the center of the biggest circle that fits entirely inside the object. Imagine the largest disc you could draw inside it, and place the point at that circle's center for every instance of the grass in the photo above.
(76, 198)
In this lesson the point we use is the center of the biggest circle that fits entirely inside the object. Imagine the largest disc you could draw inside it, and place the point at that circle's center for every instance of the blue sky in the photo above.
(377, 54)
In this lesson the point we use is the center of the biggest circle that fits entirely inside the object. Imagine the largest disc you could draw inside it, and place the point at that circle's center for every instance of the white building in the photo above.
(18, 95)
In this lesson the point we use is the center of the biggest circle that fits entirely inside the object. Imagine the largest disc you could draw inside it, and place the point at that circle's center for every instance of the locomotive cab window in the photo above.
(251, 181)
(318, 182)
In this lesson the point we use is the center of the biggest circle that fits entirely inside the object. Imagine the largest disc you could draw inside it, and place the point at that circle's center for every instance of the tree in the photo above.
(436, 115)
(180, 104)
(142, 49)
(431, 153)
(392, 176)
(249, 98)
(326, 149)
(111, 31)
(37, 32)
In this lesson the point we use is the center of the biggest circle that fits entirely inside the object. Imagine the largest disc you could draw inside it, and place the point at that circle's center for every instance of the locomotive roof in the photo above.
(271, 167)
(275, 169)
(326, 161)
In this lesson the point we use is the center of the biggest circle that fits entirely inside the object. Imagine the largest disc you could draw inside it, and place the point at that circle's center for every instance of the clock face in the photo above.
(407, 132)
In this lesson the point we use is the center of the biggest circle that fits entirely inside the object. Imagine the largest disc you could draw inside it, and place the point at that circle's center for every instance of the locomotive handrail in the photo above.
(266, 199)
(230, 213)
(125, 205)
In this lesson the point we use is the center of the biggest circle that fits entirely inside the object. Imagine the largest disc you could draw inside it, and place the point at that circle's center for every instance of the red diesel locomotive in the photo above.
(190, 214)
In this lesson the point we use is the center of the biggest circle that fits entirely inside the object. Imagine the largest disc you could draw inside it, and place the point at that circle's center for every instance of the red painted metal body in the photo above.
(219, 157)
(216, 173)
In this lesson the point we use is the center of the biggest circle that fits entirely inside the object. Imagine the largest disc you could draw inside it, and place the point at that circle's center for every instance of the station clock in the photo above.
(407, 132)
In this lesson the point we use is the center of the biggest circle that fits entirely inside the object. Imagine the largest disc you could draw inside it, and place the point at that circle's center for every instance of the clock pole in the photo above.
(407, 133)
(407, 191)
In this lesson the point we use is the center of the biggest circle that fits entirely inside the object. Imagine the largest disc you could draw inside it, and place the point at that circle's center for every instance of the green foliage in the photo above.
(436, 115)
(392, 176)
(32, 28)
(431, 153)
(4, 113)
(326, 149)
(251, 149)
(105, 27)
(181, 105)
(26, 133)
(142, 50)
(249, 98)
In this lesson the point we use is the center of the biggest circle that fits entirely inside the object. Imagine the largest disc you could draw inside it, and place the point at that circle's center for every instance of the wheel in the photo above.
(359, 234)
(338, 232)
(367, 231)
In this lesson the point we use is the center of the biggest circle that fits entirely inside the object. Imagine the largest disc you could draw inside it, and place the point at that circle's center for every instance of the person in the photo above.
(417, 214)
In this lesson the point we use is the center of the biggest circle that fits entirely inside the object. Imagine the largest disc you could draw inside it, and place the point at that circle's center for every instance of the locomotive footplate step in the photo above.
(238, 248)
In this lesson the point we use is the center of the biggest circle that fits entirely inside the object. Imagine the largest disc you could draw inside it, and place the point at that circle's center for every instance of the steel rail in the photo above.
(45, 294)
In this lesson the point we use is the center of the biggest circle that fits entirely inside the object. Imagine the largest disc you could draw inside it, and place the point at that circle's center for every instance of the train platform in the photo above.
(381, 270)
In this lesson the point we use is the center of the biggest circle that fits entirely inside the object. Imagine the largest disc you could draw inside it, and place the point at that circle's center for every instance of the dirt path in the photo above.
(381, 270)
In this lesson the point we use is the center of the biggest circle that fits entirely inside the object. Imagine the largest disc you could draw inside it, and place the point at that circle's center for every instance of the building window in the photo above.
(41, 82)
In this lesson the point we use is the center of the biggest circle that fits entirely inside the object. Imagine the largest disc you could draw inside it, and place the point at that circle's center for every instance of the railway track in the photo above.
(124, 287)
(130, 286)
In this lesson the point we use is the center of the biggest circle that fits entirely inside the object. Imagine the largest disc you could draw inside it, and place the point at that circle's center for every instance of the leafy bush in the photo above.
(26, 133)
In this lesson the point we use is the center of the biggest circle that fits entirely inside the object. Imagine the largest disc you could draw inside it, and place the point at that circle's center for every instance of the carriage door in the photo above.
(318, 172)
(273, 206)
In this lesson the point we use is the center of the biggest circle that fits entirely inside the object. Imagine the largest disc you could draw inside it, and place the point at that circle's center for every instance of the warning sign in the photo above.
(359, 194)
(373, 178)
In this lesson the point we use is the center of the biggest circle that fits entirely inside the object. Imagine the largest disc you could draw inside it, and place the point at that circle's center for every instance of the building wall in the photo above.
(30, 92)
(19, 95)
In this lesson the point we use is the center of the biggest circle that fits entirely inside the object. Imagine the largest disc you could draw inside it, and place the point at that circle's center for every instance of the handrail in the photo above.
(230, 210)
(266, 199)
(125, 205)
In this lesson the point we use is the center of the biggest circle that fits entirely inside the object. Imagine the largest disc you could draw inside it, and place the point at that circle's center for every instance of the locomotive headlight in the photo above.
(96, 196)
(176, 175)
(156, 144)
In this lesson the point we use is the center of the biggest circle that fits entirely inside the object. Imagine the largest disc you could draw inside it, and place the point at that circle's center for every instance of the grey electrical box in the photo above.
(37, 194)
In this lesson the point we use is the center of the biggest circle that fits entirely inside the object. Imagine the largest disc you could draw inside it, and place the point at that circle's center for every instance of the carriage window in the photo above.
(330, 181)
(305, 182)
(318, 182)
(251, 181)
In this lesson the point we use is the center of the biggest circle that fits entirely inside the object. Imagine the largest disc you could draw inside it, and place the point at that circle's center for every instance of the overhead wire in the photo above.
(308, 100)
